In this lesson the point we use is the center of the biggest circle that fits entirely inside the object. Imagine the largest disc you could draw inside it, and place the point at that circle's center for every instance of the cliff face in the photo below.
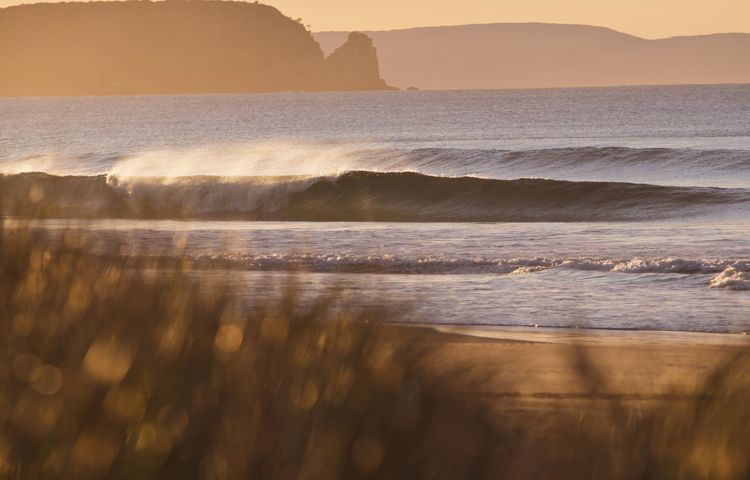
(105, 48)
(354, 65)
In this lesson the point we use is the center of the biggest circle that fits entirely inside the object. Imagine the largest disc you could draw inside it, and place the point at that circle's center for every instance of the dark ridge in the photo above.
(539, 55)
(354, 65)
(112, 48)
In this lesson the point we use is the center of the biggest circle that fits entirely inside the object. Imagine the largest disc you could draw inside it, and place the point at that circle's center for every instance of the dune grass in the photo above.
(110, 368)
(117, 367)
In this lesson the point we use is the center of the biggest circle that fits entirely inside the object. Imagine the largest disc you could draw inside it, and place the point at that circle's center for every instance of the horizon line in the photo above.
(397, 90)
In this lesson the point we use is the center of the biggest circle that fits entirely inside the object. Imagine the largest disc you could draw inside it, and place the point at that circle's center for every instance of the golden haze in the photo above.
(649, 19)
(645, 18)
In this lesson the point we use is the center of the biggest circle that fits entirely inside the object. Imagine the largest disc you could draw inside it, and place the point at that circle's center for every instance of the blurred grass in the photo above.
(109, 369)
(702, 435)
(117, 367)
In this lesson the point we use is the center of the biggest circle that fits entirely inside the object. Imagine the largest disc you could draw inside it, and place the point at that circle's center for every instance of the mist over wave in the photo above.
(663, 166)
(357, 196)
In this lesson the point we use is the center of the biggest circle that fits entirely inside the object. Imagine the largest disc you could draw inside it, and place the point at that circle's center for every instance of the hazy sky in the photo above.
(646, 18)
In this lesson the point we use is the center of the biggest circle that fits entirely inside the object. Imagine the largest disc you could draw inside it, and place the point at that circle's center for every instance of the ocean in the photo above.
(603, 208)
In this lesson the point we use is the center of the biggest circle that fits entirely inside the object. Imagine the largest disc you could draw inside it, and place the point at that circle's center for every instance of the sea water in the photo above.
(612, 208)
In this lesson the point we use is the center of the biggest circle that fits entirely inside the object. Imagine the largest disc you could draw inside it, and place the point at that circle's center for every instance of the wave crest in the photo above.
(664, 166)
(355, 196)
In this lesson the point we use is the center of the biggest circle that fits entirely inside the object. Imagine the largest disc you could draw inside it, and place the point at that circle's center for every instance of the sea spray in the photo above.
(358, 196)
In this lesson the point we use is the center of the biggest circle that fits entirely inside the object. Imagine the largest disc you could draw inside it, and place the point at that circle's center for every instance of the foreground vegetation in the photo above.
(112, 368)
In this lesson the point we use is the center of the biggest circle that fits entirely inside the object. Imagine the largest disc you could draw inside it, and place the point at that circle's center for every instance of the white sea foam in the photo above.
(676, 265)
(732, 278)
(729, 273)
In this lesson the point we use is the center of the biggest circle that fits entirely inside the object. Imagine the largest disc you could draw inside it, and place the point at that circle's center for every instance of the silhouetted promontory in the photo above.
(539, 55)
(354, 65)
(117, 48)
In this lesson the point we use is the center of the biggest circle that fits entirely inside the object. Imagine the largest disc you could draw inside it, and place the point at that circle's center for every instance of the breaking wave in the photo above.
(732, 278)
(355, 196)
(664, 166)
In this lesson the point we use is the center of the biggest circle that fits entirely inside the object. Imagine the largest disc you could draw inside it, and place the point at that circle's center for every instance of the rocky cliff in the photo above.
(354, 65)
(106, 48)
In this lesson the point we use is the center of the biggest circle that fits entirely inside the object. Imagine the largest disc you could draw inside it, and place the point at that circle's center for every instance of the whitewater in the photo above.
(610, 208)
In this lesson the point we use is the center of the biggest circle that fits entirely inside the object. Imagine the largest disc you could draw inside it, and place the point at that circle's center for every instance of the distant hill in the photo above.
(102, 48)
(527, 55)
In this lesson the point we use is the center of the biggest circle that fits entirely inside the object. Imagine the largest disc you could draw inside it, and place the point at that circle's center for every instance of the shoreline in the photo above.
(574, 335)
(542, 370)
(630, 362)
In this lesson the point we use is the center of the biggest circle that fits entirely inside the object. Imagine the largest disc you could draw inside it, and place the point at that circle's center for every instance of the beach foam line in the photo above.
(732, 274)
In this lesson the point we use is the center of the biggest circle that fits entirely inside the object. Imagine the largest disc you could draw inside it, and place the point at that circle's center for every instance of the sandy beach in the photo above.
(639, 365)
(534, 381)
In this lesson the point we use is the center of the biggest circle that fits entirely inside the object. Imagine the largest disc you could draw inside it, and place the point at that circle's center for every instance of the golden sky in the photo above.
(645, 18)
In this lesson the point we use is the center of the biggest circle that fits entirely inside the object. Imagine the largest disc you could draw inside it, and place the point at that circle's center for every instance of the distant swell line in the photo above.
(355, 196)
(672, 166)
(560, 158)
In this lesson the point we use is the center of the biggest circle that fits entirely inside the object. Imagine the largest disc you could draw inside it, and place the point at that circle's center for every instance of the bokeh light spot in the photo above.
(367, 454)
(229, 338)
(125, 404)
(48, 379)
(108, 360)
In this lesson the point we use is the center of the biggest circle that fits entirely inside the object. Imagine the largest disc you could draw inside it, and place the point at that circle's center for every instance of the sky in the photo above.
(644, 18)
